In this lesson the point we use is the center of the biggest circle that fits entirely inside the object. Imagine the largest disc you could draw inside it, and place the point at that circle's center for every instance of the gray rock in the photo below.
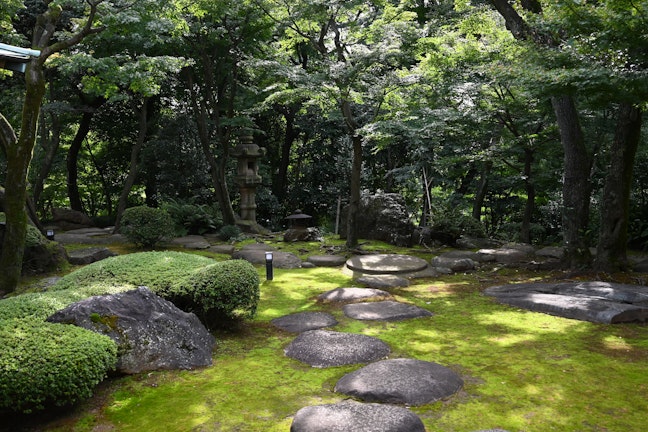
(327, 260)
(384, 311)
(68, 219)
(641, 266)
(353, 294)
(89, 255)
(353, 416)
(601, 302)
(325, 348)
(384, 217)
(151, 333)
(401, 381)
(304, 321)
(307, 234)
(383, 281)
(551, 252)
(386, 264)
(454, 264)
(222, 249)
(191, 242)
(504, 255)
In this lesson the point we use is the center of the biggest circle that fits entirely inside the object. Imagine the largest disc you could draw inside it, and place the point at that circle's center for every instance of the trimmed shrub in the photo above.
(146, 226)
(44, 365)
(219, 293)
(229, 232)
(155, 270)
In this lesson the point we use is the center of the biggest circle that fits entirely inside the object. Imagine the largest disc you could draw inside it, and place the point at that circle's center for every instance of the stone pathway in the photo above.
(389, 382)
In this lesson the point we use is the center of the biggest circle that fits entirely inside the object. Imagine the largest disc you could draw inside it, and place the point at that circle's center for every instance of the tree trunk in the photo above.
(281, 180)
(19, 156)
(73, 159)
(354, 201)
(134, 162)
(615, 203)
(482, 189)
(50, 146)
(577, 188)
(525, 228)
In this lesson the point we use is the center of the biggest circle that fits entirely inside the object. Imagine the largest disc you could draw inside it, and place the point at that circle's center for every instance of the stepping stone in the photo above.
(386, 264)
(384, 311)
(600, 302)
(304, 321)
(325, 348)
(383, 281)
(89, 255)
(327, 260)
(353, 294)
(401, 381)
(357, 417)
(191, 242)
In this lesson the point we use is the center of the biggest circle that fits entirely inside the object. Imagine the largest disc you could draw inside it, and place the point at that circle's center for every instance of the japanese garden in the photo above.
(272, 215)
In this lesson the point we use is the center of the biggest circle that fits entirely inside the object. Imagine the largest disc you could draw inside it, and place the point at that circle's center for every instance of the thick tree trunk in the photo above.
(615, 203)
(577, 188)
(50, 146)
(482, 189)
(19, 156)
(281, 180)
(72, 161)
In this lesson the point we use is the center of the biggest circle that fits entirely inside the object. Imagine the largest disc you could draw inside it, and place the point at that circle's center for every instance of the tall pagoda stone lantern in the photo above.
(248, 178)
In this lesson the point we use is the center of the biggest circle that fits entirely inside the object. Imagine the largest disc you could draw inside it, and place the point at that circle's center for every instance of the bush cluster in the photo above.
(44, 364)
(220, 293)
(191, 218)
(146, 226)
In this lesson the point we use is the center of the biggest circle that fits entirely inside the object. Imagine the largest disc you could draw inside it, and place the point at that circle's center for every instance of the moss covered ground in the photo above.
(523, 371)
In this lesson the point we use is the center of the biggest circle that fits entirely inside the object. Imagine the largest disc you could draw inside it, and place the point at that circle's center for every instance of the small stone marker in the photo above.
(325, 348)
(327, 260)
(383, 281)
(304, 321)
(401, 381)
(384, 311)
(353, 416)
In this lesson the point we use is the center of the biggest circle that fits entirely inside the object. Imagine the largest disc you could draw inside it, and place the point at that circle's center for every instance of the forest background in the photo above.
(525, 116)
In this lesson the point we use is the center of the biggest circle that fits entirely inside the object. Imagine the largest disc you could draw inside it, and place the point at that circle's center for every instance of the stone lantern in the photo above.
(247, 177)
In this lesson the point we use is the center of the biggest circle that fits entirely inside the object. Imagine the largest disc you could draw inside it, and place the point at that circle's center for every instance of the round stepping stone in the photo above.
(384, 311)
(383, 281)
(325, 348)
(352, 294)
(304, 321)
(386, 263)
(401, 381)
(357, 417)
(327, 260)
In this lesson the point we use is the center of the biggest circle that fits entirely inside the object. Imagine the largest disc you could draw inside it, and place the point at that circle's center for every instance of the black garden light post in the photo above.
(268, 260)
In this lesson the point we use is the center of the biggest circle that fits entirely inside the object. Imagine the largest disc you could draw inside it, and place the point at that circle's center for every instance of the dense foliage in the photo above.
(45, 365)
(147, 226)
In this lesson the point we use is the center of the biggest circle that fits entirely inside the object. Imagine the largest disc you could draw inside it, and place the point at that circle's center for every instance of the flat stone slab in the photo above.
(357, 417)
(386, 264)
(384, 311)
(601, 302)
(89, 255)
(327, 260)
(304, 321)
(325, 348)
(383, 281)
(191, 242)
(353, 294)
(401, 381)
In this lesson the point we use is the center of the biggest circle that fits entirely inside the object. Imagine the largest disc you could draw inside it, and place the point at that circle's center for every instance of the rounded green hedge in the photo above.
(44, 364)
(146, 226)
(221, 292)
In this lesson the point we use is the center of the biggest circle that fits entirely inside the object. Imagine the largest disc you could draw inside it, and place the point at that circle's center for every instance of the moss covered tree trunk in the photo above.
(19, 157)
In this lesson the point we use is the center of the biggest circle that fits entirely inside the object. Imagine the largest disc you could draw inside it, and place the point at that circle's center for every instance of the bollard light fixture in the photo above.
(268, 259)
(49, 234)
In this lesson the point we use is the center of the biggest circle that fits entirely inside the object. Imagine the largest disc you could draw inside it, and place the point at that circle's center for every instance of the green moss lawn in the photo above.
(523, 371)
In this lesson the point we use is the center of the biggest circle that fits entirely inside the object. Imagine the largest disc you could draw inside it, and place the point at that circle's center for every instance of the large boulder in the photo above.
(68, 219)
(383, 217)
(151, 333)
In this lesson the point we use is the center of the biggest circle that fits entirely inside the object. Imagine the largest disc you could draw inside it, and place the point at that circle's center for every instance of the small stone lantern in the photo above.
(247, 176)
(299, 229)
